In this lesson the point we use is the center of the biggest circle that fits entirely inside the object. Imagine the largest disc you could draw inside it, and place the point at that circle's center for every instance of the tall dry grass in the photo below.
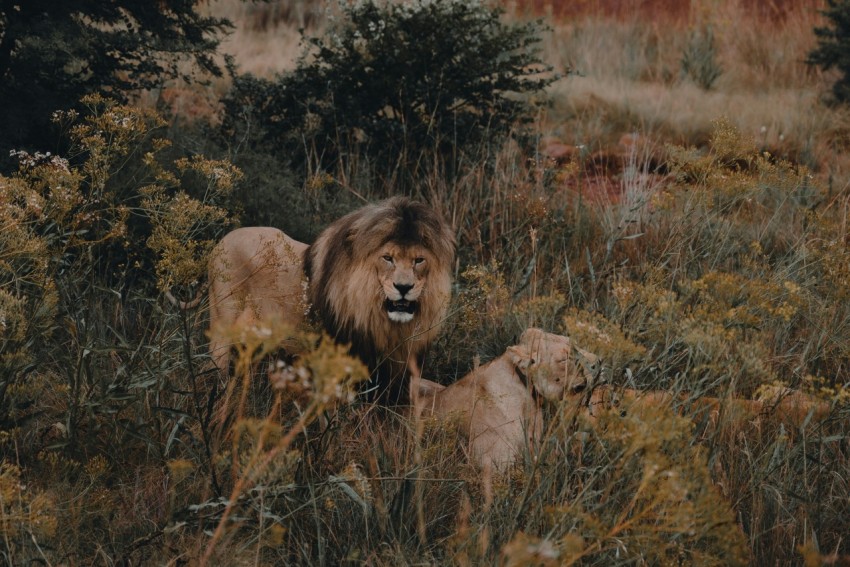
(726, 276)
(716, 275)
(625, 74)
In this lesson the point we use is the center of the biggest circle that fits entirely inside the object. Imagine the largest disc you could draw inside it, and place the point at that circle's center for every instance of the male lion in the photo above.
(499, 404)
(378, 279)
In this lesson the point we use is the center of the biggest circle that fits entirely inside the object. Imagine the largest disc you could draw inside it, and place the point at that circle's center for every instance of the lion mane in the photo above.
(380, 280)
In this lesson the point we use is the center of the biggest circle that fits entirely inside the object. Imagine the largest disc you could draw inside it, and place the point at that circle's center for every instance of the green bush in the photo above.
(833, 50)
(699, 60)
(405, 83)
(53, 53)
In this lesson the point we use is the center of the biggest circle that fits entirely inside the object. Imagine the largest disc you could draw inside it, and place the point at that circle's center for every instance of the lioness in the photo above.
(498, 404)
(378, 279)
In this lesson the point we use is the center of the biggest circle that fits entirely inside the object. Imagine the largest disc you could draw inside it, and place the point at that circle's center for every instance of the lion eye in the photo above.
(419, 260)
(388, 258)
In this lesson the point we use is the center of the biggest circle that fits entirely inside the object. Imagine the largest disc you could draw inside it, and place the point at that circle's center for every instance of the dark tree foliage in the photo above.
(833, 48)
(52, 52)
(398, 80)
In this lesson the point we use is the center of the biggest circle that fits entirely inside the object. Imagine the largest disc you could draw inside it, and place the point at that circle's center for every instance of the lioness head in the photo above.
(555, 366)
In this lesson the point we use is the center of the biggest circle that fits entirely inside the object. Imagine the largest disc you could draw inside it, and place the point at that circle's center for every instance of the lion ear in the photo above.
(520, 357)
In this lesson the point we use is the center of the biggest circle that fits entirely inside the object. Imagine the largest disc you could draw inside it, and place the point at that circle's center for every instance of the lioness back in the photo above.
(255, 273)
(380, 279)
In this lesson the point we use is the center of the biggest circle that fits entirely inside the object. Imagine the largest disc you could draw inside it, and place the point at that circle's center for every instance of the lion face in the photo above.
(403, 273)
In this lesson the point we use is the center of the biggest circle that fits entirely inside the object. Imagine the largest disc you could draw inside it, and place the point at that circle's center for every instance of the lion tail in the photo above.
(186, 305)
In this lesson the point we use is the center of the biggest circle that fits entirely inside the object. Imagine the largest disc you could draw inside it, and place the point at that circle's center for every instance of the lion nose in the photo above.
(403, 288)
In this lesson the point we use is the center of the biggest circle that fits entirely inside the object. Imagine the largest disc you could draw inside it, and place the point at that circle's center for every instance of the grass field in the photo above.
(680, 209)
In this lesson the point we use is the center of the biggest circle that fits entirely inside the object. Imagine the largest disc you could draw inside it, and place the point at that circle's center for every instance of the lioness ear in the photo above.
(520, 357)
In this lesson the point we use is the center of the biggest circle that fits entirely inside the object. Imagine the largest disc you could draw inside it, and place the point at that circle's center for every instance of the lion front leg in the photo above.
(414, 369)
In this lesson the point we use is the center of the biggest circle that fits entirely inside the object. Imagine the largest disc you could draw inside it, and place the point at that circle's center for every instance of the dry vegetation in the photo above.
(623, 72)
(629, 77)
(694, 237)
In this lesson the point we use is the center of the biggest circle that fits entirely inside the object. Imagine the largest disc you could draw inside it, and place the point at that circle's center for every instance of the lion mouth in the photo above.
(401, 310)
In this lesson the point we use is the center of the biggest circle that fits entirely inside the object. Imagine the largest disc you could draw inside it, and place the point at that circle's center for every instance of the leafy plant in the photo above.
(26, 516)
(52, 53)
(833, 50)
(405, 83)
(662, 506)
(699, 60)
(99, 228)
